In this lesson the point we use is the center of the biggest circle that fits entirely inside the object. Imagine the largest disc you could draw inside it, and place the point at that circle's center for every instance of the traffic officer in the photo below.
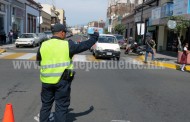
(56, 71)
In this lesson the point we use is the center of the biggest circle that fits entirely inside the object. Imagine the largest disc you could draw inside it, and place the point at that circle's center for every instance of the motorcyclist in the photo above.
(130, 44)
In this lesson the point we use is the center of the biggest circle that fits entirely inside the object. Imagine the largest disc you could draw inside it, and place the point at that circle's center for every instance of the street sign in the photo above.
(171, 24)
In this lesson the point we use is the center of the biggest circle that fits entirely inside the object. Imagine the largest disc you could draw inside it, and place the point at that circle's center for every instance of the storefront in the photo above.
(3, 16)
(130, 26)
(172, 41)
(18, 20)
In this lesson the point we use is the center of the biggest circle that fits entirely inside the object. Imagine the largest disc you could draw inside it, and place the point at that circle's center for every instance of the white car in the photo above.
(107, 47)
(49, 34)
(27, 39)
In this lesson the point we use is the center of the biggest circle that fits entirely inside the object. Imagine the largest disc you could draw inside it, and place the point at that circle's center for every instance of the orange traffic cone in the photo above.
(8, 115)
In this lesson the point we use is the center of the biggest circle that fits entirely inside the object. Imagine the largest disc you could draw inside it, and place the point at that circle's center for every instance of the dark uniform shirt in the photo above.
(73, 47)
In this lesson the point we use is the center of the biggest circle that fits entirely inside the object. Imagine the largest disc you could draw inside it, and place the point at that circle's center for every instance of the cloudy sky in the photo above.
(81, 11)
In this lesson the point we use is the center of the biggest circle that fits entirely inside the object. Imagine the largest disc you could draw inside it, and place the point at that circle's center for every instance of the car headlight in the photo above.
(117, 49)
(99, 48)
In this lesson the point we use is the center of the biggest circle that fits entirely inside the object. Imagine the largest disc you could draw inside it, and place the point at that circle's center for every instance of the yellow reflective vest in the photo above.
(54, 60)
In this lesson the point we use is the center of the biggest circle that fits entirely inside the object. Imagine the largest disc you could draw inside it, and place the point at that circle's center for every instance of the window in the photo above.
(167, 10)
(13, 11)
(2, 7)
(131, 32)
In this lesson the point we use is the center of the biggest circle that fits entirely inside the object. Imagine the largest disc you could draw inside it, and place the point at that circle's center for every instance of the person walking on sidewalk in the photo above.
(10, 35)
(150, 45)
(184, 57)
(56, 73)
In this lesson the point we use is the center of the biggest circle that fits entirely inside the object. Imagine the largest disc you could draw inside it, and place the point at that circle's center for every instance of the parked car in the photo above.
(107, 47)
(121, 41)
(27, 39)
(42, 37)
(49, 34)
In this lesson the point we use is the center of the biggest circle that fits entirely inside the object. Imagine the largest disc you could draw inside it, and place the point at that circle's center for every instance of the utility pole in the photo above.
(141, 36)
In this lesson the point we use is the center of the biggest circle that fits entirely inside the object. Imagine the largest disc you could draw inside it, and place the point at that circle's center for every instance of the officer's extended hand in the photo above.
(95, 35)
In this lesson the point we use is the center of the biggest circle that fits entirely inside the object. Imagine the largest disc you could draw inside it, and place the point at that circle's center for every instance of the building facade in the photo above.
(117, 10)
(12, 16)
(61, 16)
(17, 16)
(33, 11)
(46, 21)
(153, 16)
(98, 24)
(5, 16)
(143, 18)
(57, 15)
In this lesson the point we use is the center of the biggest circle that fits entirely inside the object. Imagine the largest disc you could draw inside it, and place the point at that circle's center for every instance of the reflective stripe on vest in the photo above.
(51, 74)
(55, 59)
(56, 65)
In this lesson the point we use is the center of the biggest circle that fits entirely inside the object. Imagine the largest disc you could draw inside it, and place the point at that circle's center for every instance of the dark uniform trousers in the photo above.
(59, 92)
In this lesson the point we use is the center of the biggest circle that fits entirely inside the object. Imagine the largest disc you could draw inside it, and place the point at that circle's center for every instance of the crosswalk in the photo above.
(32, 56)
(76, 58)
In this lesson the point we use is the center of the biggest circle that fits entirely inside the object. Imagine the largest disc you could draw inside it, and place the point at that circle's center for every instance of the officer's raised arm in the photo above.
(84, 45)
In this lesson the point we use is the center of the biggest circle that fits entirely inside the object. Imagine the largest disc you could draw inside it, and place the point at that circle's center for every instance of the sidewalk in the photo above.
(164, 59)
(5, 46)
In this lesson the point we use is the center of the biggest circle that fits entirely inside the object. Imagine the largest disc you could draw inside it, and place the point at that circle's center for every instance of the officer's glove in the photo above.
(95, 35)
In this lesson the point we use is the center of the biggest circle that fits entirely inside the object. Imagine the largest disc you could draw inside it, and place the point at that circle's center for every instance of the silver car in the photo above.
(27, 39)
(49, 34)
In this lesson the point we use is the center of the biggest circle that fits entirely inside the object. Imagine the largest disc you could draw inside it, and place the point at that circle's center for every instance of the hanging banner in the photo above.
(140, 28)
(181, 7)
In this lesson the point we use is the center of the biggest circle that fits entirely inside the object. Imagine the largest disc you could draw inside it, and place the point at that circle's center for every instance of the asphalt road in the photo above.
(132, 94)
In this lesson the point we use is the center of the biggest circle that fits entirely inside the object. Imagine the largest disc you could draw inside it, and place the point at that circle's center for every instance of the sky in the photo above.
(80, 12)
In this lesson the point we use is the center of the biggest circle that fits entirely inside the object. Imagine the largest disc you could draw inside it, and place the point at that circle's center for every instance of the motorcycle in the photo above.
(135, 48)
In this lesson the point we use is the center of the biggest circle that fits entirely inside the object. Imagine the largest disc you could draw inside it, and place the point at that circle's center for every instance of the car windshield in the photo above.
(106, 39)
(119, 37)
(27, 36)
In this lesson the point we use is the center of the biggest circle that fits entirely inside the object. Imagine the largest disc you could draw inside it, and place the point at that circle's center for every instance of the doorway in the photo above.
(1, 22)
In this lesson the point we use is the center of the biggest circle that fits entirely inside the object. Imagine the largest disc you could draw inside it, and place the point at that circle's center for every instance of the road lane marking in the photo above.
(51, 117)
(132, 61)
(33, 58)
(91, 58)
(120, 121)
(13, 56)
(6, 54)
(76, 58)
(79, 58)
(27, 56)
(37, 118)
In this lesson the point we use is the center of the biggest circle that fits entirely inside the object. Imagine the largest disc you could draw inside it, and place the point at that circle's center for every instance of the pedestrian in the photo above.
(130, 44)
(56, 73)
(3, 36)
(15, 35)
(150, 45)
(10, 35)
(184, 57)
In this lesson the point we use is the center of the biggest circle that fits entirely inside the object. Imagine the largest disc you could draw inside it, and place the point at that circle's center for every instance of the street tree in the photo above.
(119, 28)
(181, 24)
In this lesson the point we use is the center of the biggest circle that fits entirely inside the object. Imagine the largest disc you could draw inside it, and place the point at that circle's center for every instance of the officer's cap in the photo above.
(59, 27)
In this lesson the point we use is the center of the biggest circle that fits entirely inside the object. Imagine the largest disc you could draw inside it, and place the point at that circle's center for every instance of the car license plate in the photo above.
(109, 53)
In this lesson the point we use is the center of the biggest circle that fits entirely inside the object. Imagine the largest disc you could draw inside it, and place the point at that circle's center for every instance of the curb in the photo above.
(2, 51)
(163, 64)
